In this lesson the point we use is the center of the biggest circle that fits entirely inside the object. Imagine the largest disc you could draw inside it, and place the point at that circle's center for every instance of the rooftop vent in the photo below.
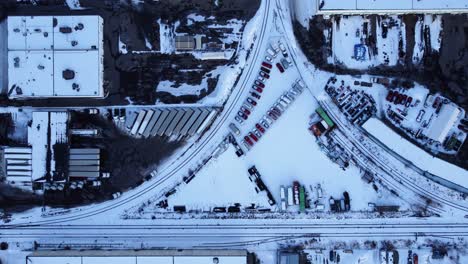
(80, 26)
(74, 43)
(65, 30)
(68, 74)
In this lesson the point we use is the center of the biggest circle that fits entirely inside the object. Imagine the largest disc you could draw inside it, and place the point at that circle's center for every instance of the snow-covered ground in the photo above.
(434, 26)
(350, 32)
(222, 182)
(416, 155)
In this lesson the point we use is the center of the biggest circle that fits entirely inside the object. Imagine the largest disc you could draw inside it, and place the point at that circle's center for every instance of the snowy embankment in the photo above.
(303, 11)
(417, 156)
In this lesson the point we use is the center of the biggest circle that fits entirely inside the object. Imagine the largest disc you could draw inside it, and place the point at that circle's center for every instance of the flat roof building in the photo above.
(341, 7)
(441, 124)
(55, 56)
(139, 257)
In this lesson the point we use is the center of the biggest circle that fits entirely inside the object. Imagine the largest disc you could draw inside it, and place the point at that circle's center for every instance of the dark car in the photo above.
(408, 101)
(255, 95)
(259, 83)
(251, 101)
(266, 64)
(247, 139)
(258, 89)
(264, 75)
(280, 67)
(260, 128)
(389, 96)
(252, 136)
(241, 114)
(265, 70)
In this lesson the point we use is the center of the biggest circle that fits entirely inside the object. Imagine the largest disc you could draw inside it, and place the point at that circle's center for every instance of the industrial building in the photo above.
(441, 124)
(54, 56)
(342, 7)
(140, 257)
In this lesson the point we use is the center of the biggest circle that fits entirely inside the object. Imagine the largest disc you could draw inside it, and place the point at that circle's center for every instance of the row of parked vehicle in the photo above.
(273, 51)
(273, 114)
(255, 94)
(399, 98)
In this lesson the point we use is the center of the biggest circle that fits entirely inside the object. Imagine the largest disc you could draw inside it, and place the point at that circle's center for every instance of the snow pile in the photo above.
(188, 89)
(74, 4)
(166, 38)
(194, 18)
(122, 47)
(417, 156)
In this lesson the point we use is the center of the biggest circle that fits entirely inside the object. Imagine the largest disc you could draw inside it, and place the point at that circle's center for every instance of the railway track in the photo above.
(395, 174)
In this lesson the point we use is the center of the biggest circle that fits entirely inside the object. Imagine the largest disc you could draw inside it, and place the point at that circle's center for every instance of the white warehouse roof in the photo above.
(139, 257)
(440, 126)
(55, 56)
(393, 6)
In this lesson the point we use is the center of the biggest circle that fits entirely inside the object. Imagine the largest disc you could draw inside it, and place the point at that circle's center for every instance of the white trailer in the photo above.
(290, 196)
(145, 122)
(137, 123)
(207, 122)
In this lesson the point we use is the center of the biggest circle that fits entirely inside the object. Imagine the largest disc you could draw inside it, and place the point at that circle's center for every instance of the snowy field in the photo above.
(417, 156)
(349, 33)
(222, 182)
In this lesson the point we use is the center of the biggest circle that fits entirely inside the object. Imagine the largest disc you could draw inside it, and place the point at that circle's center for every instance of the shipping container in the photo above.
(290, 196)
(18, 156)
(84, 168)
(84, 157)
(83, 162)
(84, 174)
(301, 199)
(84, 151)
(18, 150)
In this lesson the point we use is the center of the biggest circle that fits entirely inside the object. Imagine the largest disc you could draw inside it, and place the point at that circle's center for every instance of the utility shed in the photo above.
(55, 56)
(440, 125)
(185, 42)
